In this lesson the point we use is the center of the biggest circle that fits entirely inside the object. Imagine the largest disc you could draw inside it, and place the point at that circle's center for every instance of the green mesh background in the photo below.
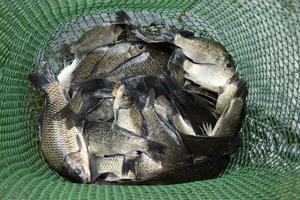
(263, 36)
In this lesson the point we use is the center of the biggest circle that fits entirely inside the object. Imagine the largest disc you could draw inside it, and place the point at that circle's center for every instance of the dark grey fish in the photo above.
(160, 131)
(86, 99)
(64, 148)
(165, 109)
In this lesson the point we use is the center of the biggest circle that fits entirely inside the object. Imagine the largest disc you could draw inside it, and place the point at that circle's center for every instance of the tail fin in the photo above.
(175, 68)
(122, 17)
(66, 49)
(46, 76)
(155, 150)
(129, 164)
(93, 167)
(169, 35)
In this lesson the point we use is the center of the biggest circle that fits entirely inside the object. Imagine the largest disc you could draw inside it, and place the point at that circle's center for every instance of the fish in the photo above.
(86, 99)
(117, 55)
(229, 123)
(210, 77)
(113, 167)
(64, 149)
(104, 112)
(198, 49)
(175, 69)
(86, 66)
(127, 114)
(151, 62)
(97, 36)
(105, 139)
(160, 131)
(65, 75)
(165, 109)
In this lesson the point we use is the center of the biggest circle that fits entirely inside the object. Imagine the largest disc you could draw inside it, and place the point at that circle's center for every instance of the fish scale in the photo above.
(87, 65)
(117, 55)
(151, 62)
(57, 141)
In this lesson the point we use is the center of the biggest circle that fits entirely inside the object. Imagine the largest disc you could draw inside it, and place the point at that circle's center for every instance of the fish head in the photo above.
(76, 167)
(122, 99)
(137, 48)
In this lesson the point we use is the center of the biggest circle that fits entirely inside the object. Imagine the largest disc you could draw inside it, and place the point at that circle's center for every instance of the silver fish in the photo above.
(200, 50)
(117, 55)
(210, 77)
(105, 140)
(63, 148)
(97, 36)
(150, 62)
(119, 167)
(86, 66)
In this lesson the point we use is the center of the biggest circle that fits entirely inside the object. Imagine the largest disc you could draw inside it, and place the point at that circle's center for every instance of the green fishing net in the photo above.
(263, 37)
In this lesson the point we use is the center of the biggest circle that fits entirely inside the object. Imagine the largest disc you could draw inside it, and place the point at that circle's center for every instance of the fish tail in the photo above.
(129, 164)
(66, 49)
(155, 150)
(93, 167)
(175, 68)
(46, 76)
(122, 17)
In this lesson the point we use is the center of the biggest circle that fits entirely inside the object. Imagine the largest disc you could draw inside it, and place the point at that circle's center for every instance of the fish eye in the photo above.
(77, 170)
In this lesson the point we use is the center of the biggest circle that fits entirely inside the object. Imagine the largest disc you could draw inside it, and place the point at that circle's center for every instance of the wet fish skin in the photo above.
(117, 55)
(119, 166)
(86, 66)
(202, 50)
(105, 140)
(161, 131)
(151, 62)
(127, 114)
(97, 36)
(63, 148)
(229, 122)
(210, 77)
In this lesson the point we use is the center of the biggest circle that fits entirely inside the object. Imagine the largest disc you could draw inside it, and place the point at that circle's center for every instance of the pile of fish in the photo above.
(140, 108)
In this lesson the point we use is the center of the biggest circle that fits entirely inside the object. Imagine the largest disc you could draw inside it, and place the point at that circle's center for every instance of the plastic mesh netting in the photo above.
(263, 38)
